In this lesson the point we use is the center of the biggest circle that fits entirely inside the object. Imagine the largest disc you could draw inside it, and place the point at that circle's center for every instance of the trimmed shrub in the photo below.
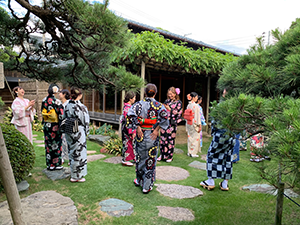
(20, 150)
(114, 146)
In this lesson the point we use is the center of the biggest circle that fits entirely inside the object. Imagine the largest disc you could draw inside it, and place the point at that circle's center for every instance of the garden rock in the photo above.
(116, 207)
(99, 138)
(45, 207)
(268, 189)
(198, 165)
(178, 191)
(171, 173)
(91, 152)
(175, 214)
(23, 186)
(91, 158)
(58, 174)
(178, 151)
(114, 160)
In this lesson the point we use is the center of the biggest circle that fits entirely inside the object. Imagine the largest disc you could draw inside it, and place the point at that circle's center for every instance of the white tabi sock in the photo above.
(210, 182)
(224, 184)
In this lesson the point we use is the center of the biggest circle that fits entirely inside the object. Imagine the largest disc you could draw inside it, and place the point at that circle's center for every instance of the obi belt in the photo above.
(147, 124)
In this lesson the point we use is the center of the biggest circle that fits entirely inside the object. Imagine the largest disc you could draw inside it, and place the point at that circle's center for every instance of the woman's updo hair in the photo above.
(129, 95)
(53, 89)
(66, 93)
(75, 92)
(150, 90)
(199, 97)
(173, 90)
(193, 94)
(16, 89)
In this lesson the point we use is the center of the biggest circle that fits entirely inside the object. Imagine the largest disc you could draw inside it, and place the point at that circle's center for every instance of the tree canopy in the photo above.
(80, 40)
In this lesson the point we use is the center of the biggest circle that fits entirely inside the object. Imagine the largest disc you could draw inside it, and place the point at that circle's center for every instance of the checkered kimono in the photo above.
(219, 155)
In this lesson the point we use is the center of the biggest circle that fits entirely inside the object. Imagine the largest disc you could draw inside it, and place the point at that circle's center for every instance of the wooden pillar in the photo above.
(159, 90)
(116, 103)
(122, 100)
(104, 99)
(183, 91)
(143, 68)
(38, 109)
(207, 101)
(9, 184)
(93, 100)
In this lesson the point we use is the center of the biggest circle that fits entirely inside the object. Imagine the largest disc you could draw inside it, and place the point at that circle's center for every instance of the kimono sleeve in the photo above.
(197, 119)
(202, 116)
(18, 110)
(178, 111)
(132, 117)
(82, 114)
(162, 119)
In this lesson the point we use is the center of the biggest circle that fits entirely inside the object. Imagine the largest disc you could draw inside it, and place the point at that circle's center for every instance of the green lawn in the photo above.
(105, 180)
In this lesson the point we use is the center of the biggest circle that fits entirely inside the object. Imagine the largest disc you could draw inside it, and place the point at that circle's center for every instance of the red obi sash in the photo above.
(189, 116)
(147, 123)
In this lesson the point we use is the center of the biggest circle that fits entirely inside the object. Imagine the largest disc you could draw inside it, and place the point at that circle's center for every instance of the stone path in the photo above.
(23, 186)
(34, 135)
(171, 173)
(175, 214)
(114, 160)
(91, 158)
(39, 141)
(45, 207)
(178, 191)
(116, 207)
(178, 151)
(203, 157)
(268, 189)
(40, 145)
(198, 165)
(91, 152)
(58, 174)
(99, 138)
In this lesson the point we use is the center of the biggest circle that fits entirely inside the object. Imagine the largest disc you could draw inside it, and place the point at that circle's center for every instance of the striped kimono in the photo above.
(148, 114)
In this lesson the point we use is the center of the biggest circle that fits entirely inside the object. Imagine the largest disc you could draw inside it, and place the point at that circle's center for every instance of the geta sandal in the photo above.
(206, 186)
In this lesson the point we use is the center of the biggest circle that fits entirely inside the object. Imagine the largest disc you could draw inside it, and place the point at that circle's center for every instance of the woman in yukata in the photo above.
(194, 128)
(23, 112)
(77, 141)
(203, 123)
(147, 117)
(52, 113)
(127, 134)
(167, 139)
(64, 97)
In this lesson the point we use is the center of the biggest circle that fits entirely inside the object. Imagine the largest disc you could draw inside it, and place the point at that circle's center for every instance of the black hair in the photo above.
(66, 93)
(150, 90)
(199, 97)
(75, 92)
(129, 95)
(193, 94)
(50, 89)
(16, 89)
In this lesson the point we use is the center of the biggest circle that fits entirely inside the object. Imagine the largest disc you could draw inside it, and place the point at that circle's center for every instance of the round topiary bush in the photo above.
(20, 150)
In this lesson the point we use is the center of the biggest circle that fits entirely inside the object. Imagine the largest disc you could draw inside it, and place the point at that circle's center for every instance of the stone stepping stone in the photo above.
(268, 189)
(91, 158)
(171, 173)
(114, 160)
(58, 174)
(116, 207)
(45, 207)
(40, 145)
(91, 152)
(34, 139)
(178, 191)
(178, 151)
(175, 213)
(198, 165)
(39, 141)
(34, 135)
(100, 139)
(23, 186)
(203, 157)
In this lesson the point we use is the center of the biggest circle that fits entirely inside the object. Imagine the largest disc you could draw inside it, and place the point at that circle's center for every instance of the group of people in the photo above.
(59, 145)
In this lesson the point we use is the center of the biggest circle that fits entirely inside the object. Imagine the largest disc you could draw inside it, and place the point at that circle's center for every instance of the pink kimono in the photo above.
(22, 118)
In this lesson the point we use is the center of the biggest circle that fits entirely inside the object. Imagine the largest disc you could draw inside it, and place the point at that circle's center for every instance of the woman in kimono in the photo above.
(64, 96)
(77, 141)
(147, 117)
(52, 113)
(127, 134)
(167, 138)
(203, 123)
(195, 127)
(23, 112)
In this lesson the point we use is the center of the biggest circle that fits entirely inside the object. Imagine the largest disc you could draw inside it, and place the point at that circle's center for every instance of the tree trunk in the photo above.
(9, 184)
(279, 204)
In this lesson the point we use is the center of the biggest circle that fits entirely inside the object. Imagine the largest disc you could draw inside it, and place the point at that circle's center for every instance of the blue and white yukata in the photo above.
(219, 155)
(146, 150)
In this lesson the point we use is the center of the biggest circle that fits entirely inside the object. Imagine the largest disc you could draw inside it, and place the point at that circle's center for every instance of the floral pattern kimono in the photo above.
(65, 152)
(77, 141)
(203, 123)
(148, 114)
(52, 113)
(127, 140)
(167, 139)
(192, 130)
(22, 118)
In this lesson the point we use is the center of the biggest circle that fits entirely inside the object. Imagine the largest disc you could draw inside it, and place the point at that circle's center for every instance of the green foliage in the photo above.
(153, 45)
(1, 103)
(114, 146)
(37, 124)
(20, 150)
(105, 130)
(8, 116)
